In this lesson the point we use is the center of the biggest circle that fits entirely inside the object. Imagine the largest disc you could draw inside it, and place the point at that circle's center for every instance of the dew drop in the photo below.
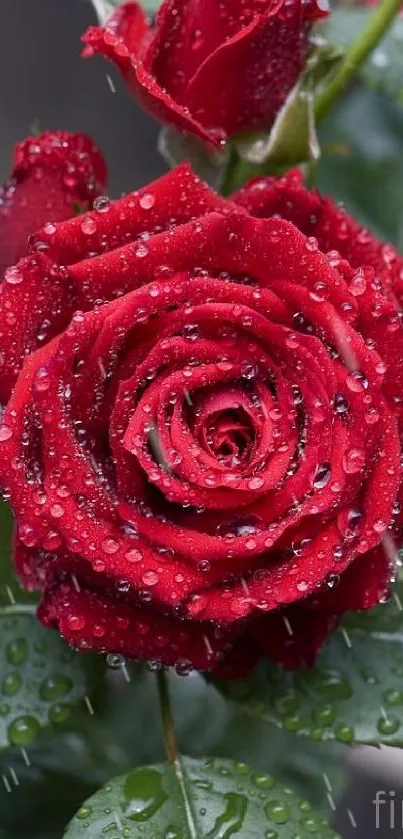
(255, 483)
(75, 622)
(322, 476)
(88, 225)
(393, 697)
(110, 546)
(147, 201)
(42, 380)
(311, 824)
(353, 461)
(344, 733)
(84, 813)
(141, 251)
(16, 651)
(11, 684)
(277, 812)
(115, 661)
(102, 204)
(356, 381)
(13, 275)
(388, 725)
(5, 433)
(60, 713)
(23, 730)
(133, 555)
(144, 794)
(54, 687)
(150, 578)
(263, 781)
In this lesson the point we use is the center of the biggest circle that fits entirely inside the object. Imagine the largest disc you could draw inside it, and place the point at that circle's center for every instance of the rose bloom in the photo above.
(202, 448)
(254, 49)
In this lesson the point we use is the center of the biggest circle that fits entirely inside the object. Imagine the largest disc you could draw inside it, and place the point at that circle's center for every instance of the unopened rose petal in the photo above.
(51, 174)
(257, 51)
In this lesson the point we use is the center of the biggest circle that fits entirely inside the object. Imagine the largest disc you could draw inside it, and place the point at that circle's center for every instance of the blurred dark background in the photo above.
(44, 82)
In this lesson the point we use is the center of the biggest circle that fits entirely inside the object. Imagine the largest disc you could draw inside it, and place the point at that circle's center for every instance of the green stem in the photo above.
(238, 172)
(18, 609)
(171, 750)
(355, 56)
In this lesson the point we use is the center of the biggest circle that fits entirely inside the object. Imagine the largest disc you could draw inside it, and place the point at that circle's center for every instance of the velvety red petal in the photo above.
(186, 35)
(257, 66)
(257, 52)
(51, 174)
(363, 585)
(380, 296)
(285, 197)
(293, 637)
(104, 621)
(320, 217)
(38, 298)
(130, 58)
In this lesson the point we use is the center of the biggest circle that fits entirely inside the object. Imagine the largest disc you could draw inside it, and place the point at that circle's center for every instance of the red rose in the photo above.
(205, 468)
(255, 49)
(51, 174)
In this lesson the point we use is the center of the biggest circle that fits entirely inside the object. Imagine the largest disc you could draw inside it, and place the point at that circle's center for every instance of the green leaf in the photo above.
(353, 694)
(40, 677)
(104, 8)
(293, 139)
(10, 592)
(70, 762)
(196, 799)
(383, 71)
(175, 148)
(369, 181)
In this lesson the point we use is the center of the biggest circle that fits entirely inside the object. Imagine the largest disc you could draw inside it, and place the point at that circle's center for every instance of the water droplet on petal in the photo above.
(5, 433)
(147, 201)
(353, 461)
(88, 225)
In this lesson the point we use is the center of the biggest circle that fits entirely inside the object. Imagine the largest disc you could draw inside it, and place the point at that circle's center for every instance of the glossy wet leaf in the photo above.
(40, 679)
(293, 137)
(353, 694)
(383, 71)
(175, 148)
(71, 762)
(104, 8)
(197, 799)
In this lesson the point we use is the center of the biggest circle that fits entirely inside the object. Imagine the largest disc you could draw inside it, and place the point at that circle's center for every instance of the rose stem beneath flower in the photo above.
(171, 749)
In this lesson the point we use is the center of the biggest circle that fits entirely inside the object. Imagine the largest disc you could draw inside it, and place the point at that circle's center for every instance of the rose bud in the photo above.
(255, 50)
(54, 176)
(51, 175)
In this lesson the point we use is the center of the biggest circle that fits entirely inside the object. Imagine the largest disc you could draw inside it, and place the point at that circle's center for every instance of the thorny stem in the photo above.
(368, 39)
(171, 750)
